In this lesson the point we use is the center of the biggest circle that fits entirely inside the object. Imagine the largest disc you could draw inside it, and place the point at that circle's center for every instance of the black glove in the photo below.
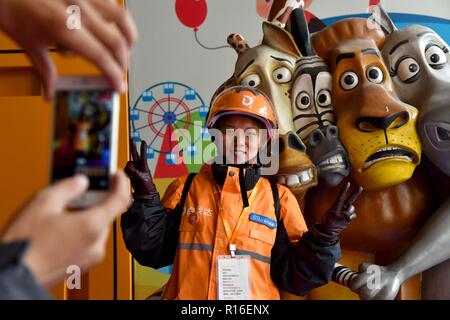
(338, 217)
(140, 175)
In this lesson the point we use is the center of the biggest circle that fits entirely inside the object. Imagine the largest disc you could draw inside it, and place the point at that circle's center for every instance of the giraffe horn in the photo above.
(238, 42)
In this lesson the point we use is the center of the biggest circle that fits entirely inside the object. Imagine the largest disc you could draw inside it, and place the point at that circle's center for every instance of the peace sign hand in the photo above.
(139, 174)
(338, 217)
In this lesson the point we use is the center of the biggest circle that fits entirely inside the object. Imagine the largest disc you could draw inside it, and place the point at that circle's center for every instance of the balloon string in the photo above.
(208, 48)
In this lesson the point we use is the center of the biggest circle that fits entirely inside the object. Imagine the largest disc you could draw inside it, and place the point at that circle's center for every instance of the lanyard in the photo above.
(232, 234)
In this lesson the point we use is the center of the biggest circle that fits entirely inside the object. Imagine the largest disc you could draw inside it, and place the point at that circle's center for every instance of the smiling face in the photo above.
(241, 138)
(377, 129)
(418, 60)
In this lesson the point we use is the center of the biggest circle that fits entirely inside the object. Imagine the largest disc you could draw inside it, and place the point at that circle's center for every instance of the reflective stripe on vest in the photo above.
(208, 247)
(195, 246)
(254, 255)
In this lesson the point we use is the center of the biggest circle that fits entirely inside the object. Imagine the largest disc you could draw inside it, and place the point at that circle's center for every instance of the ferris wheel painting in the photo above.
(157, 114)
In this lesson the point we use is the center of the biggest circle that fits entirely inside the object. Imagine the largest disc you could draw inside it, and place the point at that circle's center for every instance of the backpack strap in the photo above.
(276, 199)
(186, 187)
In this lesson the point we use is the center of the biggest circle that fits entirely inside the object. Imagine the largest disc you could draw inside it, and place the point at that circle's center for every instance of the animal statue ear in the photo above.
(382, 18)
(238, 42)
(328, 39)
(300, 32)
(279, 39)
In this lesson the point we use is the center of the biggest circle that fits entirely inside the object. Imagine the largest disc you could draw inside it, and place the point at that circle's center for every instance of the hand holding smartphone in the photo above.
(85, 135)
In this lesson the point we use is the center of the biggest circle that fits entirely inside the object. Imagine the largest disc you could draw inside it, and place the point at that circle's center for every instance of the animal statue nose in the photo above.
(291, 141)
(371, 124)
(316, 137)
(331, 132)
(319, 135)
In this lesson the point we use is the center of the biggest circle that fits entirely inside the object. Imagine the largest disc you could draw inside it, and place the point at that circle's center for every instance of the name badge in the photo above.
(233, 277)
(263, 220)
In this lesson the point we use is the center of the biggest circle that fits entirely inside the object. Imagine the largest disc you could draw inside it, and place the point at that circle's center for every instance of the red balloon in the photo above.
(191, 13)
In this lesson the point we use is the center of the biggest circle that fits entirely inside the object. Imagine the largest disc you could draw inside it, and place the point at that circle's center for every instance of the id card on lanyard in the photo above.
(233, 277)
(233, 271)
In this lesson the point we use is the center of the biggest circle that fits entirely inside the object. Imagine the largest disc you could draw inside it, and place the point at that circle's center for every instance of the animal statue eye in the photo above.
(282, 75)
(252, 80)
(303, 101)
(324, 98)
(349, 80)
(443, 134)
(408, 70)
(435, 56)
(375, 75)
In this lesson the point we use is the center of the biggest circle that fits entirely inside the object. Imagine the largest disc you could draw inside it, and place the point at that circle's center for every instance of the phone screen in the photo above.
(82, 136)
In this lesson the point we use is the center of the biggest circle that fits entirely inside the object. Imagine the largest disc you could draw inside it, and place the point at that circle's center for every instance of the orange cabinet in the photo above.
(6, 43)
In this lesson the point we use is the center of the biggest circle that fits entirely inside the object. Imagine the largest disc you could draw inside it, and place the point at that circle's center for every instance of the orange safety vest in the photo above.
(202, 235)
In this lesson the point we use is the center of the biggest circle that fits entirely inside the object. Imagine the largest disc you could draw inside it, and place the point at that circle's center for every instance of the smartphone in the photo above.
(85, 134)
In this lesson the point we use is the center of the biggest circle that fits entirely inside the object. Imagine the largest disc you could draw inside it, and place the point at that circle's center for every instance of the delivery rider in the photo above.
(228, 240)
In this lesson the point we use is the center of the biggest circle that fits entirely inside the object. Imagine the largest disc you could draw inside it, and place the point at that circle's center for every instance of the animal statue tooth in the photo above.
(306, 177)
(301, 177)
(292, 180)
